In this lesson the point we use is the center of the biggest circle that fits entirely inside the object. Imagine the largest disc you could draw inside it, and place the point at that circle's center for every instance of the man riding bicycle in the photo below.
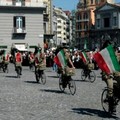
(31, 59)
(40, 59)
(66, 64)
(106, 64)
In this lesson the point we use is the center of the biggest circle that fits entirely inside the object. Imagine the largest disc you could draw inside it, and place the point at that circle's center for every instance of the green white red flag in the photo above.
(60, 59)
(84, 56)
(107, 60)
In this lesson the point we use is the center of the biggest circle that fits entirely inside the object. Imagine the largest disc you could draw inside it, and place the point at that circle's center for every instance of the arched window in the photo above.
(92, 2)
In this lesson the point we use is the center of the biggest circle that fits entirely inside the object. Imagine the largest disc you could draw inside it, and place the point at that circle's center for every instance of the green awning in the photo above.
(3, 46)
(32, 46)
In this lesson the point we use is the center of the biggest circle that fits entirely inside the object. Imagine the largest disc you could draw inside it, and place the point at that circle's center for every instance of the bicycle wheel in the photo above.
(92, 76)
(83, 76)
(72, 86)
(104, 100)
(61, 84)
(43, 78)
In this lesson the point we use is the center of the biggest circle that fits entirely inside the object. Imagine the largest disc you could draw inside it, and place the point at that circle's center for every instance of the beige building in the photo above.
(48, 23)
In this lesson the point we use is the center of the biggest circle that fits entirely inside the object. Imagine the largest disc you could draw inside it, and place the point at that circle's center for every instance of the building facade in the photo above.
(21, 24)
(48, 24)
(107, 26)
(62, 24)
(85, 21)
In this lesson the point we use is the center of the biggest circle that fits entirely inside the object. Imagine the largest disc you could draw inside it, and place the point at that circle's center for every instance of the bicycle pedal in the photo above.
(106, 100)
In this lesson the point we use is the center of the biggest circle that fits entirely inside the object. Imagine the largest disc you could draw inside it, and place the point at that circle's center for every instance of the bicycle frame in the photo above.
(65, 81)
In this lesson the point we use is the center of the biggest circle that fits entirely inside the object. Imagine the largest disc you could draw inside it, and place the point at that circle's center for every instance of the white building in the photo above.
(61, 25)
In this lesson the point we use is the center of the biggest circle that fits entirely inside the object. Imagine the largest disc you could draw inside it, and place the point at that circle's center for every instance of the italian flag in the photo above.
(84, 56)
(107, 60)
(60, 59)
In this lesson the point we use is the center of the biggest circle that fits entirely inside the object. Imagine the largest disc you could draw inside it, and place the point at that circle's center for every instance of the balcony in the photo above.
(46, 17)
(82, 20)
(19, 31)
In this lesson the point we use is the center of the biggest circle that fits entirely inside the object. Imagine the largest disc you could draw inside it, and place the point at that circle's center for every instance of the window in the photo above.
(79, 16)
(85, 16)
(85, 26)
(106, 22)
(114, 21)
(59, 32)
(59, 21)
(98, 22)
(91, 1)
(19, 23)
(59, 26)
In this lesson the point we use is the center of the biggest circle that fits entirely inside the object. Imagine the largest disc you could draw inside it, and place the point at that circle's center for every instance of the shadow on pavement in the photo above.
(53, 76)
(11, 76)
(93, 112)
(52, 91)
(33, 82)
(81, 80)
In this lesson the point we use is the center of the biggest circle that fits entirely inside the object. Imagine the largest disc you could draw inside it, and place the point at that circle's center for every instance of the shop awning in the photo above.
(21, 47)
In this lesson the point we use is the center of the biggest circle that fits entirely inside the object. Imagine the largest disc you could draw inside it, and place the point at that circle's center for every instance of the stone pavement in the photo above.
(24, 99)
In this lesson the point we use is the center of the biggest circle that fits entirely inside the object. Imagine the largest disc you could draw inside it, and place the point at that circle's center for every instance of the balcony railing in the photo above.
(19, 31)
(82, 20)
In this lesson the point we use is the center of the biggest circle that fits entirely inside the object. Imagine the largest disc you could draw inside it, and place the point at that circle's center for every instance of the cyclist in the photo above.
(85, 61)
(31, 59)
(6, 59)
(40, 58)
(108, 78)
(69, 64)
(1, 58)
(18, 61)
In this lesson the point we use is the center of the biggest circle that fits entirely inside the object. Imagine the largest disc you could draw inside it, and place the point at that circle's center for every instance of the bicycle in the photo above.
(67, 81)
(40, 75)
(4, 67)
(116, 97)
(87, 73)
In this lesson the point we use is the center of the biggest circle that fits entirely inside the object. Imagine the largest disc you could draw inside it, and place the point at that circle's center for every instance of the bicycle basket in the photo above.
(91, 66)
(41, 66)
(69, 71)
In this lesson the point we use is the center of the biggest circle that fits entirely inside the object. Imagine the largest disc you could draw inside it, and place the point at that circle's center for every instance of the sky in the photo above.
(68, 4)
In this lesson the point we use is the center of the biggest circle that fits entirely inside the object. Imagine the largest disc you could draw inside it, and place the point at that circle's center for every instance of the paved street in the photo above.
(24, 99)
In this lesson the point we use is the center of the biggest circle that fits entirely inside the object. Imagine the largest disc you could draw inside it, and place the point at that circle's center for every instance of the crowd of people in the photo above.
(74, 59)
